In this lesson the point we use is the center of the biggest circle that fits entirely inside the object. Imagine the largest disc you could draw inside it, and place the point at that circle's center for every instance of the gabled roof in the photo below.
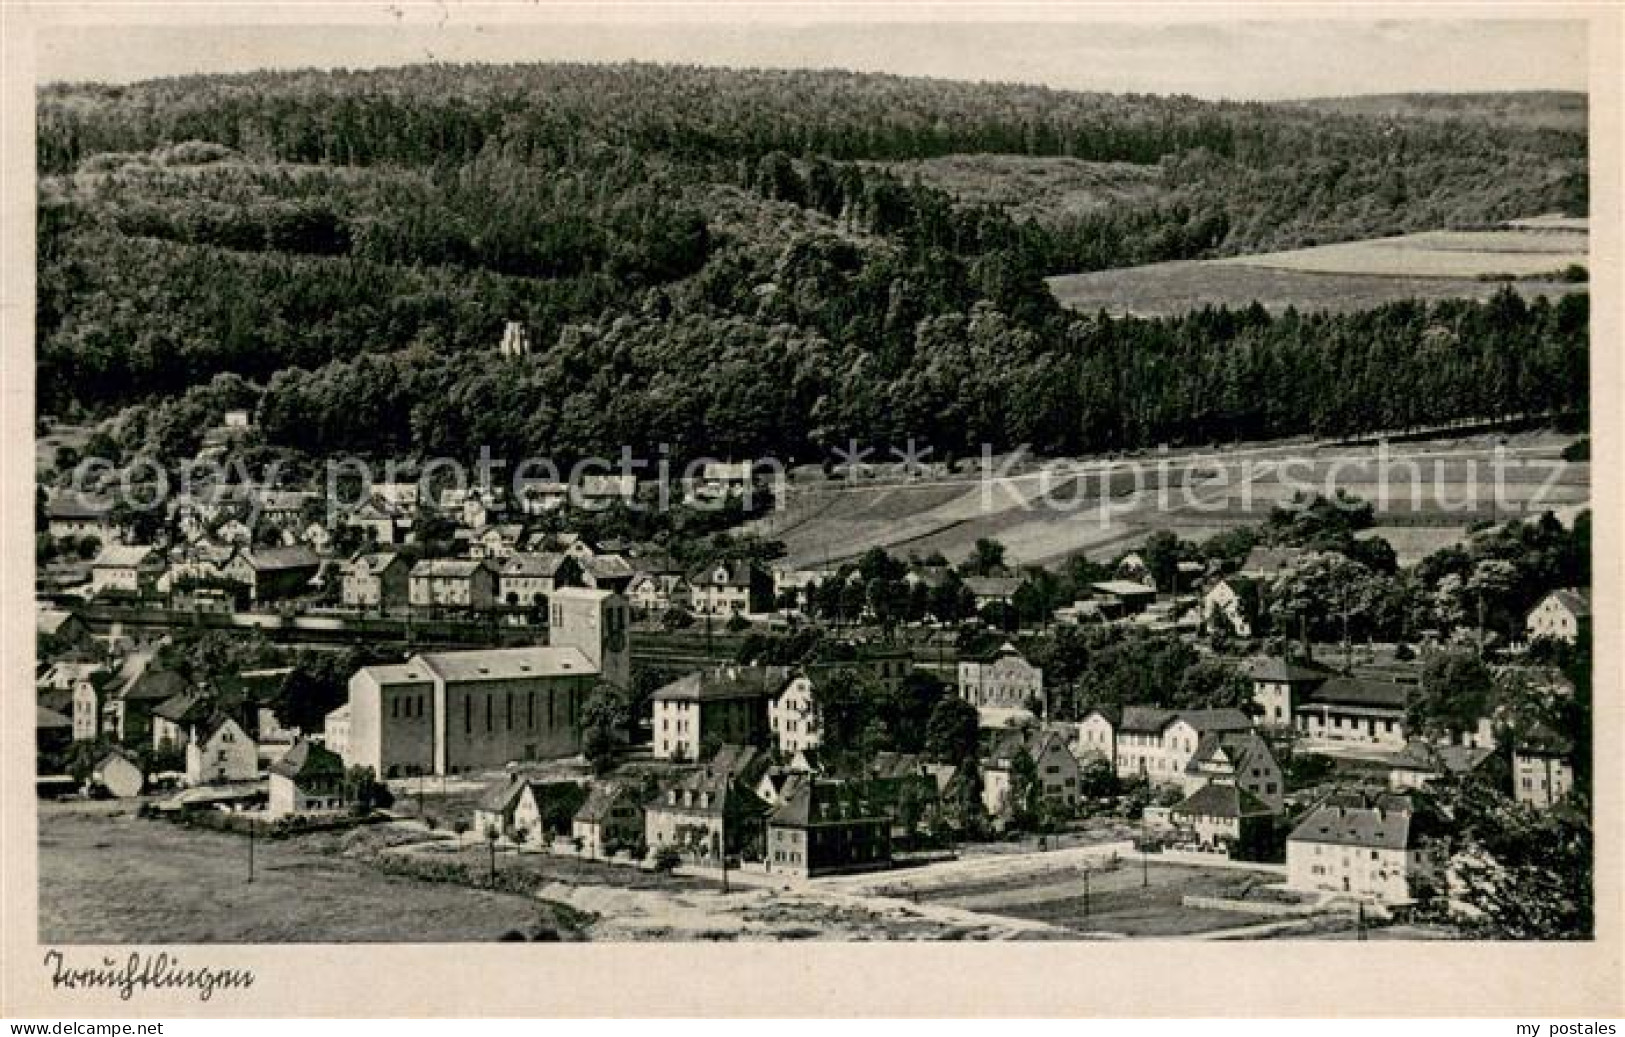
(742, 761)
(602, 797)
(1541, 740)
(1221, 799)
(1575, 600)
(992, 586)
(308, 760)
(124, 556)
(71, 504)
(375, 562)
(214, 723)
(187, 707)
(609, 567)
(1285, 671)
(1383, 823)
(273, 559)
(534, 564)
(503, 797)
(811, 801)
(1145, 719)
(1360, 691)
(1429, 758)
(448, 568)
(52, 620)
(732, 795)
(739, 682)
(1242, 748)
(897, 765)
(152, 685)
(1123, 588)
(737, 573)
(50, 719)
(497, 664)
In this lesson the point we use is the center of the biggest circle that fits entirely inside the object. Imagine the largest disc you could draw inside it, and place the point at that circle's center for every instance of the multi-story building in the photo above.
(729, 704)
(1542, 773)
(1157, 744)
(378, 580)
(452, 583)
(826, 827)
(1562, 615)
(1369, 848)
(792, 716)
(1003, 680)
(730, 588)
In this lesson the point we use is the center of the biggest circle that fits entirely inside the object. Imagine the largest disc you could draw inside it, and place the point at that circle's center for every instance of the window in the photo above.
(394, 709)
(468, 715)
(509, 698)
(488, 711)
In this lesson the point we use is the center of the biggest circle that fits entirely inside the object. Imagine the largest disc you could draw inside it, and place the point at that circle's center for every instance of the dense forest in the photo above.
(737, 262)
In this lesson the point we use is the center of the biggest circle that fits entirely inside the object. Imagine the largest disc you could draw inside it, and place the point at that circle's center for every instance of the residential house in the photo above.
(307, 779)
(1222, 817)
(1562, 615)
(1280, 685)
(1367, 847)
(1159, 744)
(378, 521)
(526, 579)
(792, 716)
(129, 570)
(608, 572)
(705, 813)
(1268, 563)
(1003, 680)
(1231, 606)
(450, 712)
(118, 775)
(899, 785)
(826, 827)
(1121, 598)
(728, 704)
(452, 583)
(992, 590)
(496, 808)
(220, 750)
(497, 542)
(377, 580)
(174, 719)
(136, 690)
(336, 730)
(60, 632)
(1057, 770)
(1542, 768)
(1239, 758)
(548, 808)
(730, 588)
(652, 591)
(722, 479)
(1420, 763)
(71, 513)
(274, 573)
(610, 820)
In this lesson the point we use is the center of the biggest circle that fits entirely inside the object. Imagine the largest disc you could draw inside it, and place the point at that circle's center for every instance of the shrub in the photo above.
(667, 858)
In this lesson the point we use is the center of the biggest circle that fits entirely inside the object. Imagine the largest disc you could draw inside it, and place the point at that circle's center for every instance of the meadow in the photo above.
(1339, 278)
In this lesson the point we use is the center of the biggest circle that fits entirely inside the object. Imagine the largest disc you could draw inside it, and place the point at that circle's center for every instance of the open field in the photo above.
(1443, 253)
(107, 877)
(1339, 278)
(1427, 493)
(1045, 189)
(1117, 901)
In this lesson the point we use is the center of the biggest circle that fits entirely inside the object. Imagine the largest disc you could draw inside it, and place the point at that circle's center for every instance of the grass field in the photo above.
(1047, 189)
(1117, 901)
(1338, 278)
(1426, 493)
(108, 877)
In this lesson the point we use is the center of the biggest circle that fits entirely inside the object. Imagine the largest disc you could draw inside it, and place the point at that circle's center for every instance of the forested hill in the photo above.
(742, 261)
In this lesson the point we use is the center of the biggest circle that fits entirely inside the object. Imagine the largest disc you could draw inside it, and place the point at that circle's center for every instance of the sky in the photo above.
(1285, 57)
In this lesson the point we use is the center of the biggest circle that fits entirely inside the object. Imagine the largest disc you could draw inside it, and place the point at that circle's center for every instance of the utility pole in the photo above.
(722, 825)
(251, 849)
(1086, 891)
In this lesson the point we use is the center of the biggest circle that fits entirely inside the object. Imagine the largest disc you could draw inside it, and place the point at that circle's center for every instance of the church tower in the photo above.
(594, 621)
